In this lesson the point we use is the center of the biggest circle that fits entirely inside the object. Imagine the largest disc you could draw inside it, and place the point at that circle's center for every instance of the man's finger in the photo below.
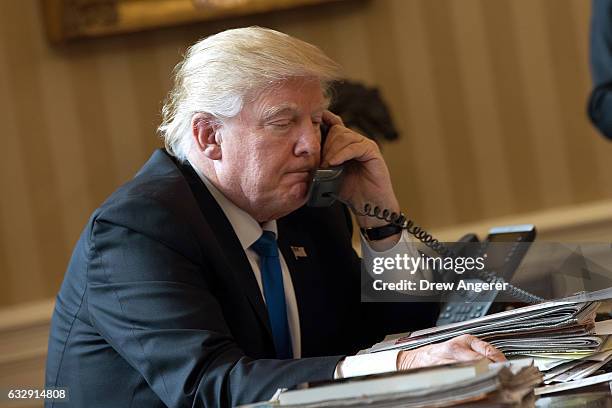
(443, 361)
(486, 349)
(332, 119)
(338, 139)
(355, 150)
(467, 355)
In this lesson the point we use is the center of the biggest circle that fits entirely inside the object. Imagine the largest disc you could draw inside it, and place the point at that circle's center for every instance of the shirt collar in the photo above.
(247, 229)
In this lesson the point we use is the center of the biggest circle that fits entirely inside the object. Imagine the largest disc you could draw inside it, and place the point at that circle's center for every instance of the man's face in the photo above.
(270, 149)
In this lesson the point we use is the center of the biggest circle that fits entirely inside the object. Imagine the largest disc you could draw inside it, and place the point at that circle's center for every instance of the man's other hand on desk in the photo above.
(462, 348)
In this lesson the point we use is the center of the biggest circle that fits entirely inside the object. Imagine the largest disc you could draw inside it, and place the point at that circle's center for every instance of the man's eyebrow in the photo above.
(290, 109)
(273, 111)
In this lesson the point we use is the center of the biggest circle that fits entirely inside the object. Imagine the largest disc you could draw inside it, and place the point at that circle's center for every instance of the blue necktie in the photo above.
(272, 280)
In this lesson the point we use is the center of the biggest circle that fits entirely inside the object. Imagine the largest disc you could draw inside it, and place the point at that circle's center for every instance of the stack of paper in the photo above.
(562, 336)
(550, 327)
(475, 384)
(573, 370)
(393, 383)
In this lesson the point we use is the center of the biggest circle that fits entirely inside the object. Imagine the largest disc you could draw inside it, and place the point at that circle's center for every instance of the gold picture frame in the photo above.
(72, 19)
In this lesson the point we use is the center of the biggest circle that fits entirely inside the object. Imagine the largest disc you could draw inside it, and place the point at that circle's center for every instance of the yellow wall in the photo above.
(489, 97)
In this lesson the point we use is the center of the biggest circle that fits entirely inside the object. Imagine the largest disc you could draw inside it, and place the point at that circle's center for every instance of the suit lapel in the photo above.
(301, 258)
(228, 245)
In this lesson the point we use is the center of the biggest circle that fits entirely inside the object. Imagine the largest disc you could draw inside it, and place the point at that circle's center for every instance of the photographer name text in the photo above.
(425, 285)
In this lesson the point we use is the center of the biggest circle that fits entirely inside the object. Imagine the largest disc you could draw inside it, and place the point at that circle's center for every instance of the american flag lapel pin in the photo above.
(299, 252)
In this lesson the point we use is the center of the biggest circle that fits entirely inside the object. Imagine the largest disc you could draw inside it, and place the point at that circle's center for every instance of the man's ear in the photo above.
(205, 130)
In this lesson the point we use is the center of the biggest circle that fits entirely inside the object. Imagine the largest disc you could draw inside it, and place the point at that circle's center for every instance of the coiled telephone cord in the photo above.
(428, 240)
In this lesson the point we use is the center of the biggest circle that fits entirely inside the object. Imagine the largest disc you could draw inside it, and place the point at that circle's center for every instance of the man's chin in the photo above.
(286, 202)
(299, 192)
(295, 198)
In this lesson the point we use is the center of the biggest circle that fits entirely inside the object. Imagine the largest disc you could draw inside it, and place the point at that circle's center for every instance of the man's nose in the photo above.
(309, 142)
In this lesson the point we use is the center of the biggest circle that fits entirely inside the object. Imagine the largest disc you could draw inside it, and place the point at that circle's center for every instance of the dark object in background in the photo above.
(600, 101)
(362, 109)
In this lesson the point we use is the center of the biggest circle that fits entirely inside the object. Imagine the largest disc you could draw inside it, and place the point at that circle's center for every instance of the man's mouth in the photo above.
(303, 170)
(305, 174)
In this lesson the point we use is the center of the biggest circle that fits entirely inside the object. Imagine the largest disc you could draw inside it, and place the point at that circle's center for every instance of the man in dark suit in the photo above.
(204, 281)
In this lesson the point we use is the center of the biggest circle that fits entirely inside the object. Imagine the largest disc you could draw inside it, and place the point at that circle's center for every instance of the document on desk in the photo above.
(567, 345)
(387, 383)
(554, 327)
(585, 382)
(477, 384)
(579, 371)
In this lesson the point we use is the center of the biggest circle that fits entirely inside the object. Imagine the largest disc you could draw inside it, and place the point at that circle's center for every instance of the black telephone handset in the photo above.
(325, 185)
(325, 181)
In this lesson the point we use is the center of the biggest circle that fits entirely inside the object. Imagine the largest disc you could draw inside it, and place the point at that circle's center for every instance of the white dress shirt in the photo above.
(248, 230)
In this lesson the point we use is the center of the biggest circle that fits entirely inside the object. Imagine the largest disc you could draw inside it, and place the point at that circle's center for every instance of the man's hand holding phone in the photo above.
(366, 179)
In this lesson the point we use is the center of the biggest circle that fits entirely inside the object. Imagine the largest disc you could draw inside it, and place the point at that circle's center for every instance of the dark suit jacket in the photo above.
(160, 307)
(600, 101)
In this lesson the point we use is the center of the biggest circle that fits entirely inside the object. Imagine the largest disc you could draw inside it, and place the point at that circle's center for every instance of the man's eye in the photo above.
(281, 124)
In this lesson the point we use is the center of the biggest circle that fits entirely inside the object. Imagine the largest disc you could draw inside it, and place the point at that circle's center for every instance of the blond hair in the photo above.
(219, 72)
